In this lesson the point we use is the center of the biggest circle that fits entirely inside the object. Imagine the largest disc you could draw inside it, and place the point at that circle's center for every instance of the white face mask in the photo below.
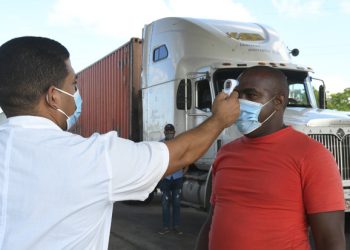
(169, 135)
(71, 120)
(248, 120)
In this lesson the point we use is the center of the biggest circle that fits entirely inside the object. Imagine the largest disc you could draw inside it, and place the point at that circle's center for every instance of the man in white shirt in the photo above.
(56, 188)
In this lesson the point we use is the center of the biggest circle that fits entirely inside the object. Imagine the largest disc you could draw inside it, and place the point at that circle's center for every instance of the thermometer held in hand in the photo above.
(229, 85)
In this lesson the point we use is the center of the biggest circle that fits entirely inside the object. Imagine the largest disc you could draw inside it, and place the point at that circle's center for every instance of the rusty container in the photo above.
(110, 89)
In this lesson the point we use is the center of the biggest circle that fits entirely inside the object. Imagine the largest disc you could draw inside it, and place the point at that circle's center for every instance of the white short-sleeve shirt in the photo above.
(57, 189)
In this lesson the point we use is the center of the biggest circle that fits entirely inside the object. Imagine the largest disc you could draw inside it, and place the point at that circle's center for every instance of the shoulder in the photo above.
(111, 139)
(304, 142)
(309, 143)
(228, 151)
(232, 144)
(314, 156)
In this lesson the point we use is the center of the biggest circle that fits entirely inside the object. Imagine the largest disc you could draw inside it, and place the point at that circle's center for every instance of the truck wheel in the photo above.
(208, 194)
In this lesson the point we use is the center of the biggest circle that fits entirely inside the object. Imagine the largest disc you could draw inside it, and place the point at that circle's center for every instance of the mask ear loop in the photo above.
(64, 92)
(271, 113)
(268, 117)
(59, 110)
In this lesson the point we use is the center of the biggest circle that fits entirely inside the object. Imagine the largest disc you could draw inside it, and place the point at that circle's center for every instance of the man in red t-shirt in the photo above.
(273, 183)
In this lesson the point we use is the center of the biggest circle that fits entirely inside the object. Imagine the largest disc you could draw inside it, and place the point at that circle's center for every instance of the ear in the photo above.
(52, 98)
(279, 102)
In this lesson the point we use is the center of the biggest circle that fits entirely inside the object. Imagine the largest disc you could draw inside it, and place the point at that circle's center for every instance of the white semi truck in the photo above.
(184, 64)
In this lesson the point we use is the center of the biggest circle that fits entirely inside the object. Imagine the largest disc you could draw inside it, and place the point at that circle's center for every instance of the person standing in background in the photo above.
(171, 187)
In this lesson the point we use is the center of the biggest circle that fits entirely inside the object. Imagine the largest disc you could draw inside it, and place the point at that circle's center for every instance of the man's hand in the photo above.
(226, 108)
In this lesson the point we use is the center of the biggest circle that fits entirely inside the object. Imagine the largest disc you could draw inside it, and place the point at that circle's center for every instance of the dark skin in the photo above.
(262, 89)
(262, 86)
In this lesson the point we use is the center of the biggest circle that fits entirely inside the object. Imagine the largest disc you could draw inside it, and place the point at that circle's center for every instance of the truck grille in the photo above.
(340, 150)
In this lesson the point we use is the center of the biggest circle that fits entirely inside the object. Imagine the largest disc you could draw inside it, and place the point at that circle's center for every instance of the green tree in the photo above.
(339, 101)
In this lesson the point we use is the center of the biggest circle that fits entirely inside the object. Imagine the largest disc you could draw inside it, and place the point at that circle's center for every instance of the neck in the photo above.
(45, 110)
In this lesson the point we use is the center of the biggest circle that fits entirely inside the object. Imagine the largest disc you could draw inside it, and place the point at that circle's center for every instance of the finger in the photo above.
(222, 95)
(233, 95)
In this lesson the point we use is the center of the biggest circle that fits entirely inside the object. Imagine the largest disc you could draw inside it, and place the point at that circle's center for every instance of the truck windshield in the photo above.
(298, 96)
(298, 91)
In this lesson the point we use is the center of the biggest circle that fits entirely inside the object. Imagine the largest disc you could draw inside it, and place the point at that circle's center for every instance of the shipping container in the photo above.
(110, 89)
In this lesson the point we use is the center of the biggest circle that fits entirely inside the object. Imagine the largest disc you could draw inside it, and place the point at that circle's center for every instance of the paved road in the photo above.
(136, 228)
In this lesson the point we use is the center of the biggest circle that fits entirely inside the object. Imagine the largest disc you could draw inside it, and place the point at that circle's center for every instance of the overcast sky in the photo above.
(91, 29)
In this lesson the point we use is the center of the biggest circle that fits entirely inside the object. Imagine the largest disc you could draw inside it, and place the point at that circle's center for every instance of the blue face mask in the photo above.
(169, 135)
(71, 120)
(248, 120)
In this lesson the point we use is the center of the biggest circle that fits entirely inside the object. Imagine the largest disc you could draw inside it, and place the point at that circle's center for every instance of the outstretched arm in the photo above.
(187, 147)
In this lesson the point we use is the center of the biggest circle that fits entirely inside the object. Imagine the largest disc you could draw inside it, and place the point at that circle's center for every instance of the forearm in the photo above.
(189, 146)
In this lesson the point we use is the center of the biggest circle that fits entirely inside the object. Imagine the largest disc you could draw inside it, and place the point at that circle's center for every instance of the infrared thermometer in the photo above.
(229, 85)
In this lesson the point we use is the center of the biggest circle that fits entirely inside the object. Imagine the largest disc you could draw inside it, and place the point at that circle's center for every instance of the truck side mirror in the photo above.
(180, 95)
(322, 101)
(322, 97)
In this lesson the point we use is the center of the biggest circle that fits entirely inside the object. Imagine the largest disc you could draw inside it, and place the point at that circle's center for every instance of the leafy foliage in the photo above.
(339, 101)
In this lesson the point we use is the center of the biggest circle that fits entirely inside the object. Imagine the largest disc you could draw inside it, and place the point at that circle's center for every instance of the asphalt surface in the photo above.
(135, 227)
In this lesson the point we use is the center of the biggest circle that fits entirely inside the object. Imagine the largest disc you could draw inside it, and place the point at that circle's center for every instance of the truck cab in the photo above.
(184, 66)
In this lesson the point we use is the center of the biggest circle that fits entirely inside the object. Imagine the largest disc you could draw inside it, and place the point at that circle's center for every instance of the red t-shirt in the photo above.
(264, 187)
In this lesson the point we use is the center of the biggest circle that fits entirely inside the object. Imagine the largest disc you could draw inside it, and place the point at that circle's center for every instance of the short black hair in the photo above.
(169, 127)
(28, 67)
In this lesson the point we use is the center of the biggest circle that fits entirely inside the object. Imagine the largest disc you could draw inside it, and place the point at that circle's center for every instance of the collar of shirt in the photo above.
(28, 121)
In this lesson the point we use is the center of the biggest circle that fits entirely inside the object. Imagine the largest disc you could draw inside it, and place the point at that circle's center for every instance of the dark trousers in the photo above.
(171, 190)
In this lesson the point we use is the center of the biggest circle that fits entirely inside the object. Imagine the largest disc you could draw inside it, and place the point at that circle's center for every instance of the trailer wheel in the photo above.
(207, 206)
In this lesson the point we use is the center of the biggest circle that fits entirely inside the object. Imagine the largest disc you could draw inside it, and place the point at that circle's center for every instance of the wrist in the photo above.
(216, 123)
